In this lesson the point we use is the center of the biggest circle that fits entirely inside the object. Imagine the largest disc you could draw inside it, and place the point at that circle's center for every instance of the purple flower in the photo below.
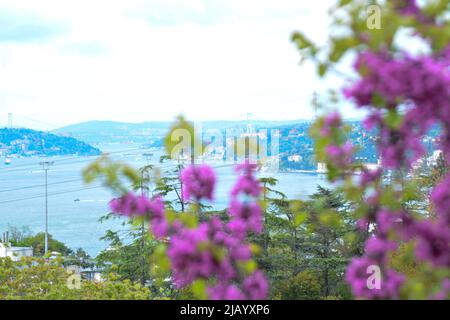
(225, 292)
(433, 243)
(358, 273)
(212, 250)
(246, 168)
(159, 223)
(331, 121)
(370, 176)
(362, 224)
(406, 7)
(410, 8)
(247, 185)
(204, 252)
(199, 182)
(238, 228)
(240, 252)
(372, 120)
(340, 156)
(125, 205)
(134, 205)
(391, 283)
(400, 222)
(256, 286)
(188, 260)
(386, 220)
(248, 213)
(376, 248)
(421, 83)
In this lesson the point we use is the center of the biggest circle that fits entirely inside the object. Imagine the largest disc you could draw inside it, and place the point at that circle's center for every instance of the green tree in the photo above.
(79, 258)
(332, 237)
(304, 286)
(38, 243)
(40, 279)
(129, 251)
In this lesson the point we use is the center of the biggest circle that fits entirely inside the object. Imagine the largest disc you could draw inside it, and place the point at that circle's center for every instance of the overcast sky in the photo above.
(65, 62)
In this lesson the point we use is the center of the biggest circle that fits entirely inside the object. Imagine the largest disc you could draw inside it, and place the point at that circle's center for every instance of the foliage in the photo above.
(37, 241)
(405, 95)
(208, 254)
(301, 238)
(304, 286)
(129, 252)
(39, 279)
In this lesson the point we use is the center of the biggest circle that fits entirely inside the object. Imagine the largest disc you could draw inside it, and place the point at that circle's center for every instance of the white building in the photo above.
(372, 166)
(14, 253)
(322, 167)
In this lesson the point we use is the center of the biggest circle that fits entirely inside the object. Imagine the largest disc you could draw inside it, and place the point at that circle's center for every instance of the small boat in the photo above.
(7, 161)
(76, 200)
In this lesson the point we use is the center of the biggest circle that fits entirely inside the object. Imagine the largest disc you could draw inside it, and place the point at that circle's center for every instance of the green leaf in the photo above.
(199, 289)
(182, 140)
(344, 2)
(323, 69)
(300, 218)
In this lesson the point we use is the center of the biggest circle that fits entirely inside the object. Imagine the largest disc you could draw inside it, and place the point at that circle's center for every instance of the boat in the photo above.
(7, 161)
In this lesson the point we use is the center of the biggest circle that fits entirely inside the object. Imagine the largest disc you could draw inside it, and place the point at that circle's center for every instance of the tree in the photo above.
(79, 258)
(318, 235)
(129, 251)
(330, 223)
(38, 243)
(304, 286)
(39, 279)
(171, 183)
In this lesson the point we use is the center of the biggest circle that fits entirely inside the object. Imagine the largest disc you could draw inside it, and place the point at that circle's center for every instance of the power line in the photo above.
(40, 185)
(84, 188)
(25, 167)
(38, 121)
(61, 182)
(51, 194)
(76, 157)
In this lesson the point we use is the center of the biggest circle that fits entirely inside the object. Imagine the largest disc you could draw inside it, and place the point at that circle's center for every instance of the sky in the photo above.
(64, 62)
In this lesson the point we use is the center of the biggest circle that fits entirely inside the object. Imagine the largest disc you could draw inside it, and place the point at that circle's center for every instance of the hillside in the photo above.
(27, 142)
(145, 132)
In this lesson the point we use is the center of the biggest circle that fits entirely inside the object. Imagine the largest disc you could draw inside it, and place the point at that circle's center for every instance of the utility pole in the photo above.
(45, 166)
(144, 191)
(315, 103)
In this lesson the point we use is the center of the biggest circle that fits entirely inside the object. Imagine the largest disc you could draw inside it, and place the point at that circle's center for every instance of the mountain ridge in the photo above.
(29, 142)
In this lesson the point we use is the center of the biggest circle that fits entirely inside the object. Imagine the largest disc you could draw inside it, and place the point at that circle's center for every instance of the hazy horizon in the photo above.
(70, 62)
(36, 124)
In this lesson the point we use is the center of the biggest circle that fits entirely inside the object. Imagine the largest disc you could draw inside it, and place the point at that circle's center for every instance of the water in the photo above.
(74, 207)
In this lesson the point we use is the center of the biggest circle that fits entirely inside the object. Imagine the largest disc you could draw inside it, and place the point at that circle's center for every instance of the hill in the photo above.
(146, 132)
(28, 142)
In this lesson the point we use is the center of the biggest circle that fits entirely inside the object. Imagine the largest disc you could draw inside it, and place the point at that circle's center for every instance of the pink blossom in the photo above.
(340, 156)
(198, 182)
(433, 243)
(225, 292)
(256, 286)
(249, 213)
